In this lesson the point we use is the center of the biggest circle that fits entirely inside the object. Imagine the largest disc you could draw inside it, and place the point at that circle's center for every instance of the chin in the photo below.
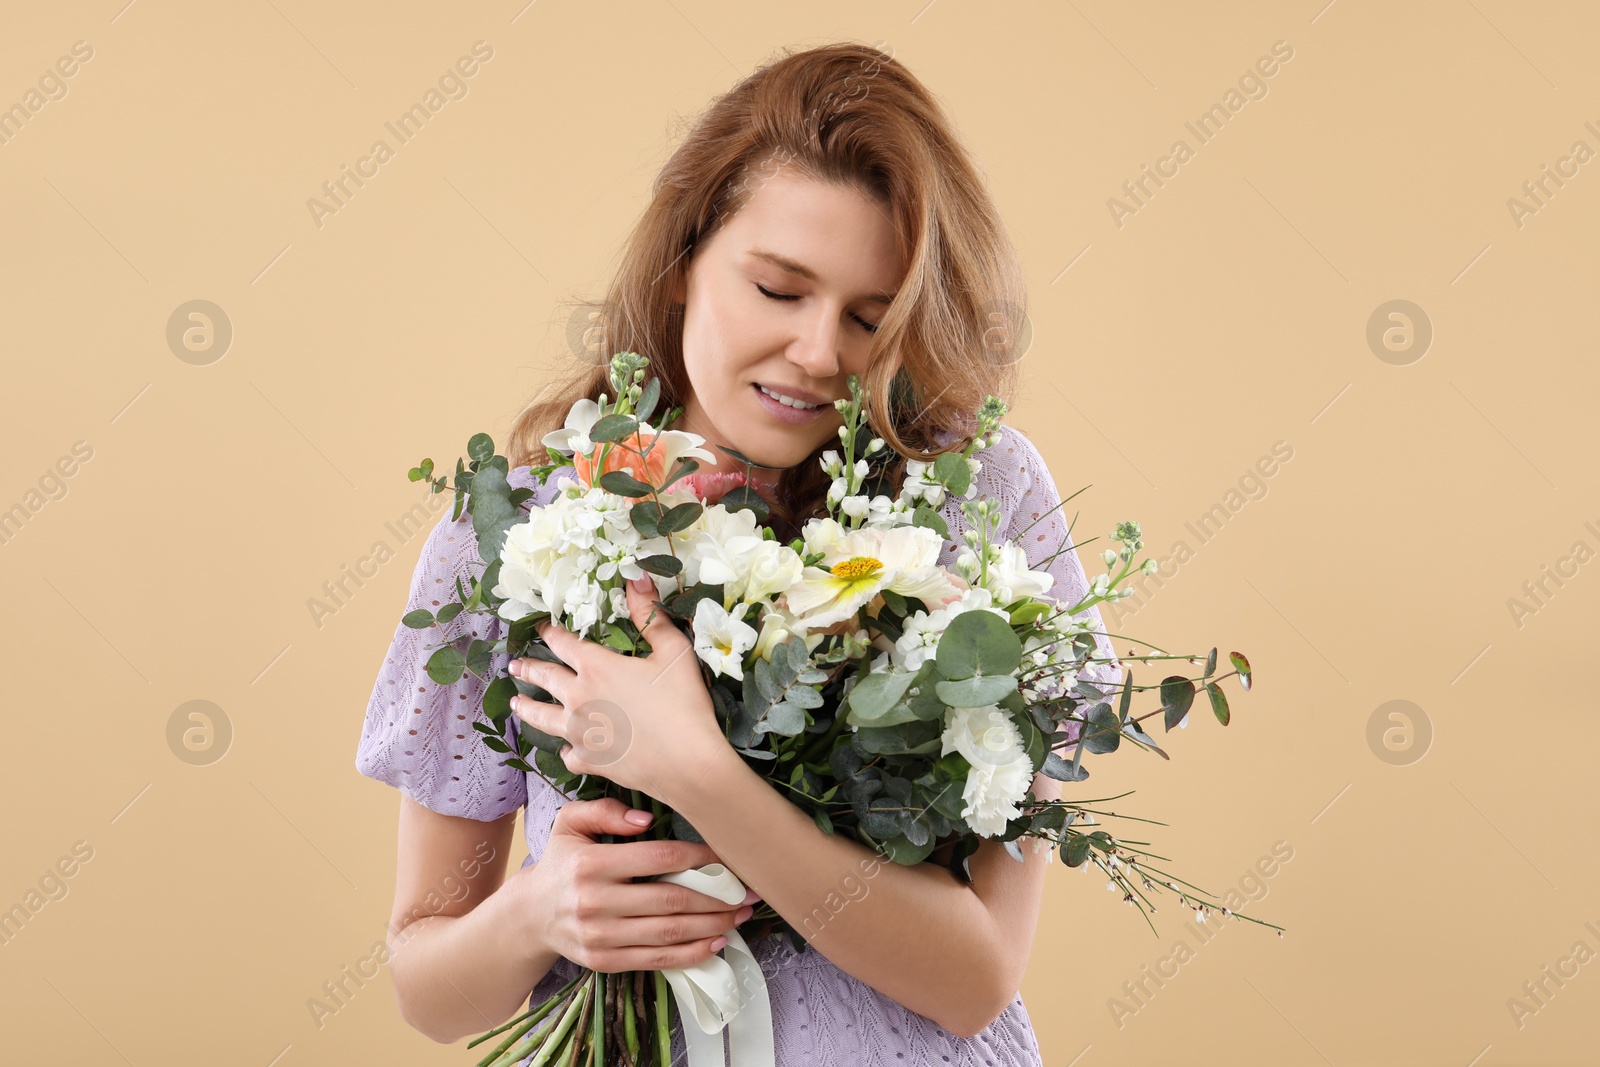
(776, 449)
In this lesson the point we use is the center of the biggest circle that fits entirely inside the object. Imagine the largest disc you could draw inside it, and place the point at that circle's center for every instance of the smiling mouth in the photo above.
(789, 401)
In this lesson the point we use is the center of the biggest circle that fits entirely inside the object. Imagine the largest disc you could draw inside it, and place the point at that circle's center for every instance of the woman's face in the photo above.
(830, 260)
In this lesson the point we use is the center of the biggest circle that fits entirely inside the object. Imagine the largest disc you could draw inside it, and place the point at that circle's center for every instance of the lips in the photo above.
(795, 394)
(786, 413)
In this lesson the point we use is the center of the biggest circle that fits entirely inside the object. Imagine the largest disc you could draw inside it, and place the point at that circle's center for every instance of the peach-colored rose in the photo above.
(624, 456)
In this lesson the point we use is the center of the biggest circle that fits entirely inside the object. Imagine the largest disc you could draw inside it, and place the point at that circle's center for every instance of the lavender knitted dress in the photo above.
(418, 738)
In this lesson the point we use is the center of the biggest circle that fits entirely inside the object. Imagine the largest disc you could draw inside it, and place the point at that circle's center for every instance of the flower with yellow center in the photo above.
(860, 565)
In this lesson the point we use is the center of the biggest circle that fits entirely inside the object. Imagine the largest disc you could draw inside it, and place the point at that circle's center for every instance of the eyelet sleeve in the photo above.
(418, 735)
(1016, 475)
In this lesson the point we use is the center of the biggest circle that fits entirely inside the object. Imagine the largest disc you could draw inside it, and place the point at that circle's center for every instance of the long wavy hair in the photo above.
(841, 113)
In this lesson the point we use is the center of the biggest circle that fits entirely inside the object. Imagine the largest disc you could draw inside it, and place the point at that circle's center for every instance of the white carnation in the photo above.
(1001, 773)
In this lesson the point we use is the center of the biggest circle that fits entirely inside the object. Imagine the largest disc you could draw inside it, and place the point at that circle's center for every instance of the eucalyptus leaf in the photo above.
(613, 427)
(649, 397)
(1075, 851)
(1103, 732)
(783, 719)
(420, 619)
(1062, 770)
(497, 699)
(744, 498)
(954, 472)
(928, 517)
(1241, 665)
(685, 466)
(978, 643)
(1219, 703)
(480, 447)
(976, 692)
(492, 511)
(668, 566)
(1177, 692)
(624, 484)
(875, 695)
(646, 517)
(679, 518)
(446, 664)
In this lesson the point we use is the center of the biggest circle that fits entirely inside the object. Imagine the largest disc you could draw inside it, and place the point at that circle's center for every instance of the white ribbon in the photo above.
(709, 992)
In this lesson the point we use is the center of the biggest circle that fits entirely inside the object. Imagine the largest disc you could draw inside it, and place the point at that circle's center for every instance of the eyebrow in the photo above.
(793, 267)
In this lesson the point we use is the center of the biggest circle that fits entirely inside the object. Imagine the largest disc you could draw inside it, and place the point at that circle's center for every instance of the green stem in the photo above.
(597, 1028)
(550, 1043)
(522, 1024)
(630, 1028)
(663, 1021)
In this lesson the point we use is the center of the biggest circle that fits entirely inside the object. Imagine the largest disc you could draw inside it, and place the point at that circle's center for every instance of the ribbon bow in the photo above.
(709, 992)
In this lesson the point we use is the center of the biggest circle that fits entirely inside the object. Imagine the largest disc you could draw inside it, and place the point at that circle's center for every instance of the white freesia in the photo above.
(557, 560)
(777, 627)
(1001, 773)
(770, 569)
(676, 445)
(721, 637)
(1009, 576)
(704, 546)
(574, 436)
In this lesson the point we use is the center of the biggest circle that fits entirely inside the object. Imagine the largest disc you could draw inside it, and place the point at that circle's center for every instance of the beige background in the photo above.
(1171, 353)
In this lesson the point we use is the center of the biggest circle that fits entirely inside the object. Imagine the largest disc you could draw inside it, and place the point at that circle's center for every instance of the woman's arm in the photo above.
(949, 951)
(455, 970)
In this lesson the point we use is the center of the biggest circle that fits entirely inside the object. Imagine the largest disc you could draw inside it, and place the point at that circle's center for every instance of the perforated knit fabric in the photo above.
(418, 737)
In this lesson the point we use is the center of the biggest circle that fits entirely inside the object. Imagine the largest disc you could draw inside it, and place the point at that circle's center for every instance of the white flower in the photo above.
(721, 637)
(777, 626)
(675, 445)
(575, 436)
(820, 535)
(1009, 576)
(855, 506)
(919, 640)
(770, 569)
(556, 560)
(862, 564)
(1001, 773)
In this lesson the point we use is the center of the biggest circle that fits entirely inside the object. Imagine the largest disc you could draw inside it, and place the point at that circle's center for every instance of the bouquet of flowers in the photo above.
(903, 703)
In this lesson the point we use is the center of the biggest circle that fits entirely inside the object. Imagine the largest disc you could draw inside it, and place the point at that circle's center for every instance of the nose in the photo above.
(816, 351)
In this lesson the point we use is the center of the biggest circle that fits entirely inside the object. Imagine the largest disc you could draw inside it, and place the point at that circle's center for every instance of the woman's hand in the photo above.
(595, 916)
(643, 722)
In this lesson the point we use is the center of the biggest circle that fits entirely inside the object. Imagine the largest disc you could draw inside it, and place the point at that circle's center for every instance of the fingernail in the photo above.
(515, 668)
(638, 818)
(716, 946)
(752, 897)
(744, 913)
(642, 583)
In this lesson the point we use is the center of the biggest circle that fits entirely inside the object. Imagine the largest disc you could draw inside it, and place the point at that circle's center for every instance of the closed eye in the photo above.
(770, 295)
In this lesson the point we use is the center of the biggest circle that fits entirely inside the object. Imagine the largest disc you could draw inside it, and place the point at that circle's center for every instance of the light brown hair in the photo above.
(843, 113)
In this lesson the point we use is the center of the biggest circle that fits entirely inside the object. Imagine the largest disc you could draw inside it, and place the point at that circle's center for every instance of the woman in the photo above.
(820, 220)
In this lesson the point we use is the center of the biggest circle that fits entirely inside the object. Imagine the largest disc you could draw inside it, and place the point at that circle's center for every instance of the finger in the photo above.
(646, 859)
(660, 930)
(551, 677)
(591, 818)
(568, 646)
(552, 719)
(651, 619)
(632, 899)
(657, 958)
